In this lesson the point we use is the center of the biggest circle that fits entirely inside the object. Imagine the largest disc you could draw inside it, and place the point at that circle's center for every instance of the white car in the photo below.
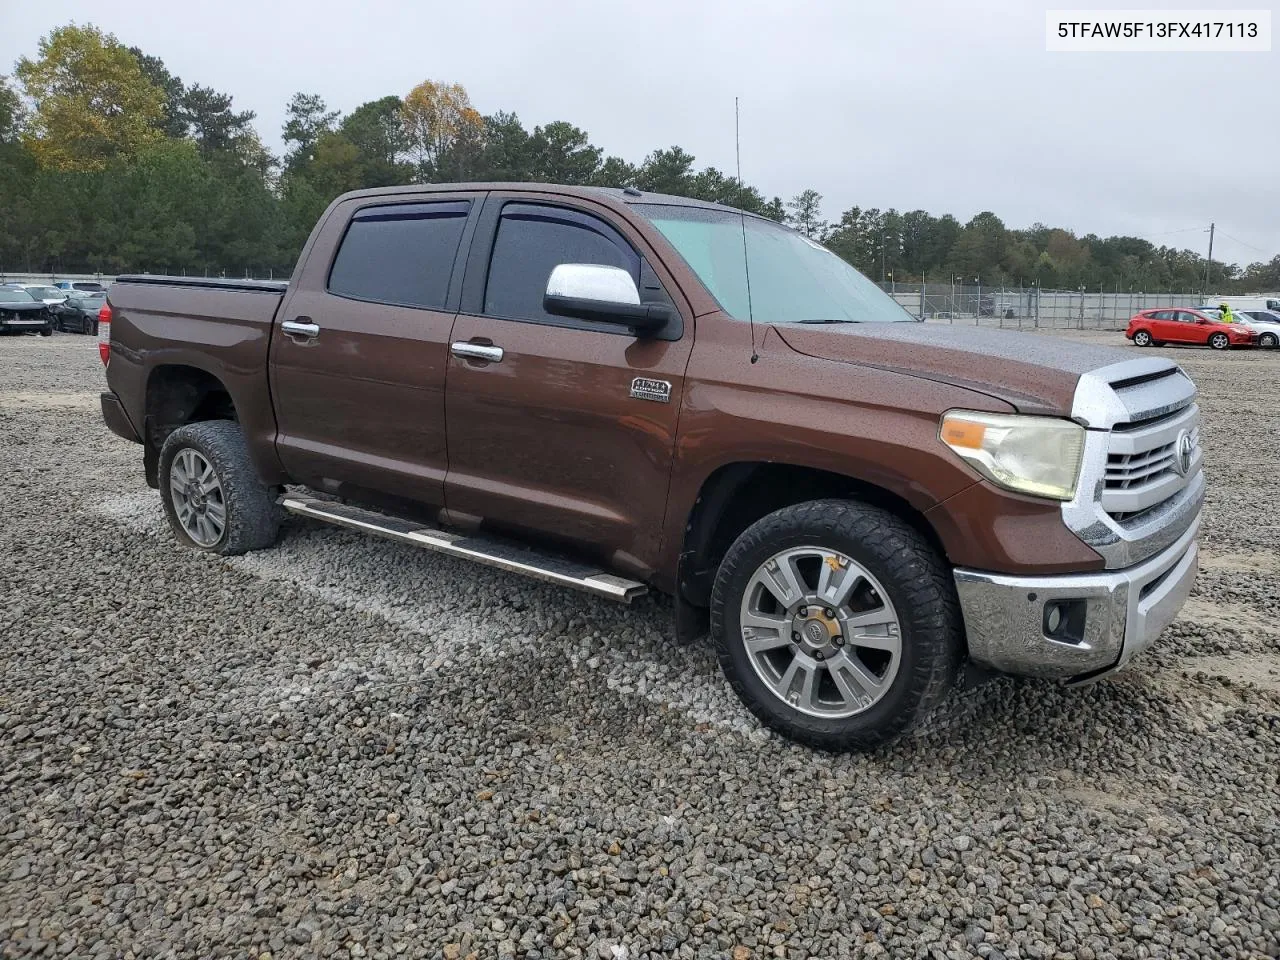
(48, 295)
(1267, 323)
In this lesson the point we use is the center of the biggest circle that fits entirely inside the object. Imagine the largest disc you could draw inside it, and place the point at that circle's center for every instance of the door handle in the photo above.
(476, 351)
(301, 328)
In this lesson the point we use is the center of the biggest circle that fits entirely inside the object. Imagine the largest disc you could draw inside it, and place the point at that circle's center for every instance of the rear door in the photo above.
(571, 432)
(1165, 328)
(358, 359)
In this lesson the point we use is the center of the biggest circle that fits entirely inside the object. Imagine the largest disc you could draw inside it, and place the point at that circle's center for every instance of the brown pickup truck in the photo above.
(619, 391)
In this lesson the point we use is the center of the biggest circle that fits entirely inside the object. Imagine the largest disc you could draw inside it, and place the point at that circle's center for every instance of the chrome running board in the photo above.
(492, 551)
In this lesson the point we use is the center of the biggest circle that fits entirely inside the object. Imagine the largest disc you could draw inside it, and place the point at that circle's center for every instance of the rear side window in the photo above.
(401, 254)
(532, 240)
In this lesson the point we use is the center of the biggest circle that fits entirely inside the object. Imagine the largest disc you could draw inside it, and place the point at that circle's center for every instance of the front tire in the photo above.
(1268, 340)
(1219, 341)
(212, 494)
(837, 624)
(1142, 338)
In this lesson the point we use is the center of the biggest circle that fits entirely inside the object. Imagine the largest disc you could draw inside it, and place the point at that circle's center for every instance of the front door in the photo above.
(358, 361)
(559, 427)
(1192, 328)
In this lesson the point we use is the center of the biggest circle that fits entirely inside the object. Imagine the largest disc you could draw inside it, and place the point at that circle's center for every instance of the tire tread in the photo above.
(253, 517)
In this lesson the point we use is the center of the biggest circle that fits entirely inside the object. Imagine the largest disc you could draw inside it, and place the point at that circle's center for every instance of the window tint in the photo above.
(400, 254)
(1186, 317)
(1162, 315)
(532, 240)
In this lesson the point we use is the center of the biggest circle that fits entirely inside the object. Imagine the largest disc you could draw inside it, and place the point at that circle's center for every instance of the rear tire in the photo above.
(895, 573)
(1142, 339)
(213, 497)
(1219, 341)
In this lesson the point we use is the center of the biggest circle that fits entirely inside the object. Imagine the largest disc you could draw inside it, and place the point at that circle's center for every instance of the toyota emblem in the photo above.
(1183, 452)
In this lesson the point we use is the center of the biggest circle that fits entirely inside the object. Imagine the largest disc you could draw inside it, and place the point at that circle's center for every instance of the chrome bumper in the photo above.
(1123, 611)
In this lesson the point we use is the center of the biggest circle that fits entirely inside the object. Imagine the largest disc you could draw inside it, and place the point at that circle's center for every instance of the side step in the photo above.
(491, 551)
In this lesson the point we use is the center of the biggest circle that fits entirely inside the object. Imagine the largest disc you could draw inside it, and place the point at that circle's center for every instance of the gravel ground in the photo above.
(345, 748)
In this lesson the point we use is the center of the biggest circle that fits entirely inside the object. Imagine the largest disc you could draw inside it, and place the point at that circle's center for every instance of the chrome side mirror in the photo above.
(594, 291)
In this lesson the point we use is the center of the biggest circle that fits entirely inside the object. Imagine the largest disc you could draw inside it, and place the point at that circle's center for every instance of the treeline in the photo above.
(110, 163)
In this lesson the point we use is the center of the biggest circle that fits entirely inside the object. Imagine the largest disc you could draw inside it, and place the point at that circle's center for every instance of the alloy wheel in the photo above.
(197, 497)
(821, 632)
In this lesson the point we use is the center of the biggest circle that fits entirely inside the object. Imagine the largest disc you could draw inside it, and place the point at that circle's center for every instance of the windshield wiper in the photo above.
(829, 320)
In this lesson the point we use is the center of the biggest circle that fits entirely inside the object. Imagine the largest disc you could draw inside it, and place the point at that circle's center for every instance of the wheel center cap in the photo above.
(815, 632)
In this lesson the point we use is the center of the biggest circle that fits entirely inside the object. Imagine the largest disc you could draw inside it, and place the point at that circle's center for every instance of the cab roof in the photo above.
(616, 195)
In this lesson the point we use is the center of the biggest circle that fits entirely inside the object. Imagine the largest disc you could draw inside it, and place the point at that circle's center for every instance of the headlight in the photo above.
(1036, 455)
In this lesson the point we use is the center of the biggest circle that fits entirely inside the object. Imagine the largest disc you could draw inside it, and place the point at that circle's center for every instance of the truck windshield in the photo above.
(792, 279)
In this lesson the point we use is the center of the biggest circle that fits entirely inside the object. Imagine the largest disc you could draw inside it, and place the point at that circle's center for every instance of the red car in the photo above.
(1168, 325)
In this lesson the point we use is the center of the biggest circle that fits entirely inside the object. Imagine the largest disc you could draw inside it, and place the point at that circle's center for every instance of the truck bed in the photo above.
(207, 283)
(219, 326)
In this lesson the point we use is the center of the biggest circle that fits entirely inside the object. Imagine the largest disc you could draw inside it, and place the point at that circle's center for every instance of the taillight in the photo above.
(104, 333)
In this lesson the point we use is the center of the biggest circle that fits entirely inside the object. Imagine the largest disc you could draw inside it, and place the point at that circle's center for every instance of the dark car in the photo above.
(22, 313)
(79, 313)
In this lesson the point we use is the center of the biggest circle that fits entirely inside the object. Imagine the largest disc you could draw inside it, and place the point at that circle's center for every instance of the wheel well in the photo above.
(737, 495)
(176, 396)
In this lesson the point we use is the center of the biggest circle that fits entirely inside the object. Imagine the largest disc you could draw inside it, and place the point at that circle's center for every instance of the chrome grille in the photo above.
(1137, 493)
(1125, 470)
(1143, 469)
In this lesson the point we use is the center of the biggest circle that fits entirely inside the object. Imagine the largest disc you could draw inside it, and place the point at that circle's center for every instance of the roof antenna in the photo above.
(746, 266)
(737, 141)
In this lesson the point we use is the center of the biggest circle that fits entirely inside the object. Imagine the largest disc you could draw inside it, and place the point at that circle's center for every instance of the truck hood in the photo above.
(1034, 373)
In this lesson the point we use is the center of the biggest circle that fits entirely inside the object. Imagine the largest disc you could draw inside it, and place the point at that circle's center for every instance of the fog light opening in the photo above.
(1064, 620)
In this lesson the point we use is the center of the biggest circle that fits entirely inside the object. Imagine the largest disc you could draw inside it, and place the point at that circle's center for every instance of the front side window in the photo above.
(400, 253)
(757, 269)
(532, 241)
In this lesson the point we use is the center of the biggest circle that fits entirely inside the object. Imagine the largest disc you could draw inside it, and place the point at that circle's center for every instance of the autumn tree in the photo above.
(436, 117)
(92, 101)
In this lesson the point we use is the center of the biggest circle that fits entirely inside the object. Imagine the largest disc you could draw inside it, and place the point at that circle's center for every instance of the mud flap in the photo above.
(691, 623)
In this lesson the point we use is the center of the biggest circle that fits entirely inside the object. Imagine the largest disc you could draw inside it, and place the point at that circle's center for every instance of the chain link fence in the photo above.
(1030, 306)
(940, 303)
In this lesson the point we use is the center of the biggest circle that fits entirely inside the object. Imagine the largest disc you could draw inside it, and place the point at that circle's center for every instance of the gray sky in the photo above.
(946, 106)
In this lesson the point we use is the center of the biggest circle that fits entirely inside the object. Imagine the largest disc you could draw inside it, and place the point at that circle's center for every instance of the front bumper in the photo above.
(23, 324)
(1114, 615)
